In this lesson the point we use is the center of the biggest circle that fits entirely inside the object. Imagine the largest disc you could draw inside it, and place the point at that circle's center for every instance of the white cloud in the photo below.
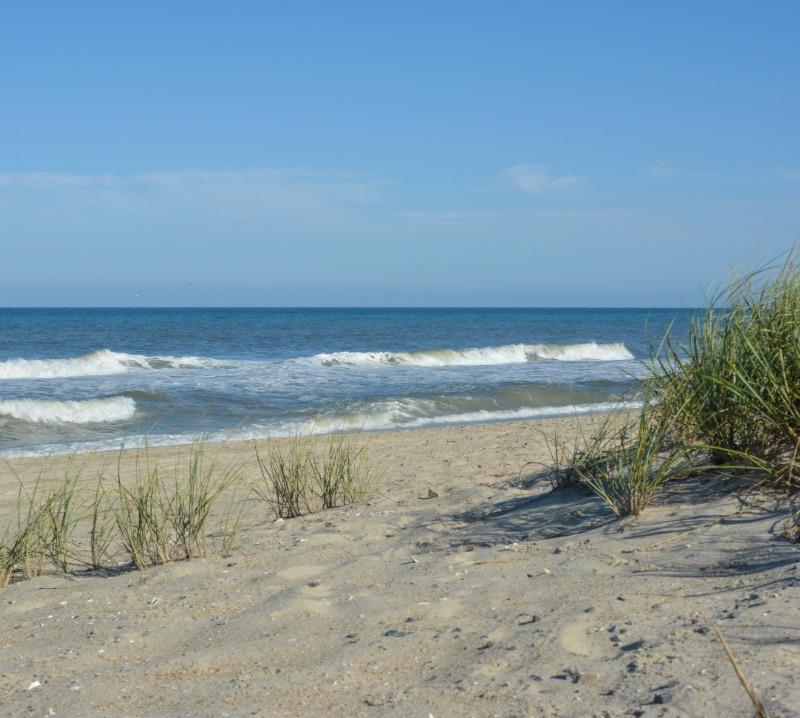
(537, 180)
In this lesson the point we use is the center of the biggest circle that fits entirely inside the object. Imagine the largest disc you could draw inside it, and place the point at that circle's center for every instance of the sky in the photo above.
(394, 153)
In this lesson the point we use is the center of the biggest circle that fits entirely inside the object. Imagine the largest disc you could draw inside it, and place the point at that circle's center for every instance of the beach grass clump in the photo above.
(161, 520)
(9, 555)
(342, 476)
(20, 547)
(189, 505)
(587, 455)
(634, 464)
(141, 519)
(734, 387)
(296, 479)
(733, 390)
(59, 515)
(726, 400)
(153, 516)
(13, 551)
(285, 478)
(44, 528)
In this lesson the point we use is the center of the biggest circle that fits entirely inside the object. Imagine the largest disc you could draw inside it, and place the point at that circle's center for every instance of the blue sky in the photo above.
(385, 153)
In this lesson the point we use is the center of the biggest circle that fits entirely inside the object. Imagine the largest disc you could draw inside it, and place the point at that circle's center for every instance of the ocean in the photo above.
(74, 380)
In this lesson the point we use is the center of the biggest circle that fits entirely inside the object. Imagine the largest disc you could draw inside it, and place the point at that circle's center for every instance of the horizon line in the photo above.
(343, 307)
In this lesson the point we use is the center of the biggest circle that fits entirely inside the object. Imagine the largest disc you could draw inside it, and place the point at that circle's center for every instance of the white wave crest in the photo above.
(397, 417)
(484, 356)
(590, 351)
(96, 363)
(88, 411)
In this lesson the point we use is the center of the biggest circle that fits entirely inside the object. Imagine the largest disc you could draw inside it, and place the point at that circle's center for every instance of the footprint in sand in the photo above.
(305, 594)
(581, 638)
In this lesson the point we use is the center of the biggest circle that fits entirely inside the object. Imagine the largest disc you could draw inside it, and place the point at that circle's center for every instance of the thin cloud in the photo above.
(538, 181)
(58, 180)
(661, 170)
(525, 216)
(238, 193)
(179, 178)
(436, 216)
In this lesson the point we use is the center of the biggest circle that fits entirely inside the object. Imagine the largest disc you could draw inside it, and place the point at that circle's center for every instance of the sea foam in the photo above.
(87, 411)
(483, 356)
(397, 417)
(96, 363)
(360, 421)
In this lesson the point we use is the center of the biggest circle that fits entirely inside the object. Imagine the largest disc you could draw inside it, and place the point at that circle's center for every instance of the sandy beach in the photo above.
(399, 360)
(463, 587)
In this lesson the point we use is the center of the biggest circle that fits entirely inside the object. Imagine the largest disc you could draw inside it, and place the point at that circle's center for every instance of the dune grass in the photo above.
(140, 516)
(343, 475)
(18, 544)
(162, 519)
(587, 455)
(156, 516)
(46, 519)
(634, 464)
(296, 478)
(727, 400)
(59, 516)
(285, 478)
(734, 387)
(102, 526)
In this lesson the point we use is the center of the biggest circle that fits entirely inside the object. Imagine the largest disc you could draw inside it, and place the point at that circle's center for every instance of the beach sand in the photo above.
(463, 587)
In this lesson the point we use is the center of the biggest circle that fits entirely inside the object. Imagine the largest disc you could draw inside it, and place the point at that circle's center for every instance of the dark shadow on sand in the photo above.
(572, 512)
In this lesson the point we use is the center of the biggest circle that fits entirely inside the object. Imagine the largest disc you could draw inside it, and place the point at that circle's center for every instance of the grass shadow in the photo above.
(551, 514)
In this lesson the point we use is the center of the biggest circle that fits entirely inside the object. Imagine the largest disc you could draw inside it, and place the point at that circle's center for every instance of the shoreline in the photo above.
(371, 438)
(25, 470)
(140, 441)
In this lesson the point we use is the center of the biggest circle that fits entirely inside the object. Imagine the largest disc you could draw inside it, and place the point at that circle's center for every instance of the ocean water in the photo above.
(83, 379)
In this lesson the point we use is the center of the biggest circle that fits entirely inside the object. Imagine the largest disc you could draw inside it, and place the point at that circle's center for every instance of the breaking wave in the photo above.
(87, 411)
(484, 356)
(412, 414)
(106, 362)
(96, 363)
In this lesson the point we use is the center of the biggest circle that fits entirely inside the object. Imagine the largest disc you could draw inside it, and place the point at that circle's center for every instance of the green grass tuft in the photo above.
(727, 400)
(159, 520)
(295, 479)
(634, 464)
